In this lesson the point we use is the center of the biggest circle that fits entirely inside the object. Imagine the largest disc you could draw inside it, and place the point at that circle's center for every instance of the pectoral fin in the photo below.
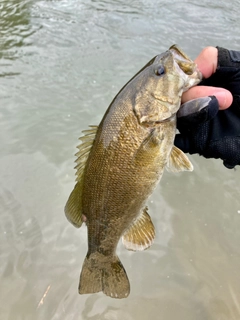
(178, 161)
(141, 233)
(73, 208)
(149, 146)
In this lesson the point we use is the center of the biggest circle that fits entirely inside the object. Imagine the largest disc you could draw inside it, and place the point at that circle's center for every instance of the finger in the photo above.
(197, 111)
(207, 61)
(223, 96)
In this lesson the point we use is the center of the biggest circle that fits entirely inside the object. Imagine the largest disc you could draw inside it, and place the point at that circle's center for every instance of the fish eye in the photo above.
(160, 71)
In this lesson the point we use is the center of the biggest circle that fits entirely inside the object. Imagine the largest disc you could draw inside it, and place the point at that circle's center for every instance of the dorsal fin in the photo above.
(141, 233)
(178, 161)
(73, 208)
(84, 150)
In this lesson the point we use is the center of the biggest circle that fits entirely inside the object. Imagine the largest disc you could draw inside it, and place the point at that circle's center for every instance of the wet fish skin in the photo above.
(123, 162)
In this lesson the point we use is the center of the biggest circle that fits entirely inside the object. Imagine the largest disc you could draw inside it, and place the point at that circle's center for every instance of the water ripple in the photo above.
(15, 28)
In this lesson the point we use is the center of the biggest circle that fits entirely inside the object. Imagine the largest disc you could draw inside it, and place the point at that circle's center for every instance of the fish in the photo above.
(119, 164)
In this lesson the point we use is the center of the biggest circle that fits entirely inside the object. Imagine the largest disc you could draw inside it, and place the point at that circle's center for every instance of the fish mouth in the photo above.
(186, 66)
(183, 61)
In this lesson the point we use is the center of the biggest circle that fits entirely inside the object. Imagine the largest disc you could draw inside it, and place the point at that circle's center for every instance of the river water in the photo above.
(61, 63)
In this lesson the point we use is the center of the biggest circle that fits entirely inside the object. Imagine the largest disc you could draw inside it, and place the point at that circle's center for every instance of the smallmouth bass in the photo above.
(120, 163)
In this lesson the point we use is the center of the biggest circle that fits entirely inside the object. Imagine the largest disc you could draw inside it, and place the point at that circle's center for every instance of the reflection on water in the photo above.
(61, 63)
(15, 32)
(14, 26)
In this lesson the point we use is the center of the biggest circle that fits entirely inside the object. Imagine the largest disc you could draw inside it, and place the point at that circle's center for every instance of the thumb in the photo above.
(197, 111)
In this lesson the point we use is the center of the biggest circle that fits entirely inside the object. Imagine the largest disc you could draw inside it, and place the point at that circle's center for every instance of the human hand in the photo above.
(205, 129)
(207, 63)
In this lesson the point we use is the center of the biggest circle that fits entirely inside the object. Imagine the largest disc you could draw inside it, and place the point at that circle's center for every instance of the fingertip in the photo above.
(224, 99)
(223, 96)
(207, 61)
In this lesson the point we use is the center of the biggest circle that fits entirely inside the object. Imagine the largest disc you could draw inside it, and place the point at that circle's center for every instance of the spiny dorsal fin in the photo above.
(73, 208)
(84, 150)
(178, 161)
(141, 233)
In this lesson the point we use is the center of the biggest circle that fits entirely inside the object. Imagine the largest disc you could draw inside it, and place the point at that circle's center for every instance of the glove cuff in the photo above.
(228, 58)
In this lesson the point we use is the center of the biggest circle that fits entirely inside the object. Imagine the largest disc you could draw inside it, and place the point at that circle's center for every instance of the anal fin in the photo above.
(141, 233)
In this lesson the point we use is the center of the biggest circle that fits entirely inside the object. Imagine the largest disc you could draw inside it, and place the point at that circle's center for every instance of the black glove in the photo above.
(206, 130)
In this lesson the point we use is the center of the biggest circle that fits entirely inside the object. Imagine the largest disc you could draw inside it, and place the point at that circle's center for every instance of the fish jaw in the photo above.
(186, 67)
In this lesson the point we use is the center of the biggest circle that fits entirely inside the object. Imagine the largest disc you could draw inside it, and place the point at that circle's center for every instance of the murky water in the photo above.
(61, 63)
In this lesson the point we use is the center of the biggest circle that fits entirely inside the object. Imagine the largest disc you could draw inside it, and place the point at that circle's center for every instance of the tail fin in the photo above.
(104, 273)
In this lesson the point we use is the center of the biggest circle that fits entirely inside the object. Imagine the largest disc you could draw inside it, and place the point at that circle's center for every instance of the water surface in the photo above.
(61, 64)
